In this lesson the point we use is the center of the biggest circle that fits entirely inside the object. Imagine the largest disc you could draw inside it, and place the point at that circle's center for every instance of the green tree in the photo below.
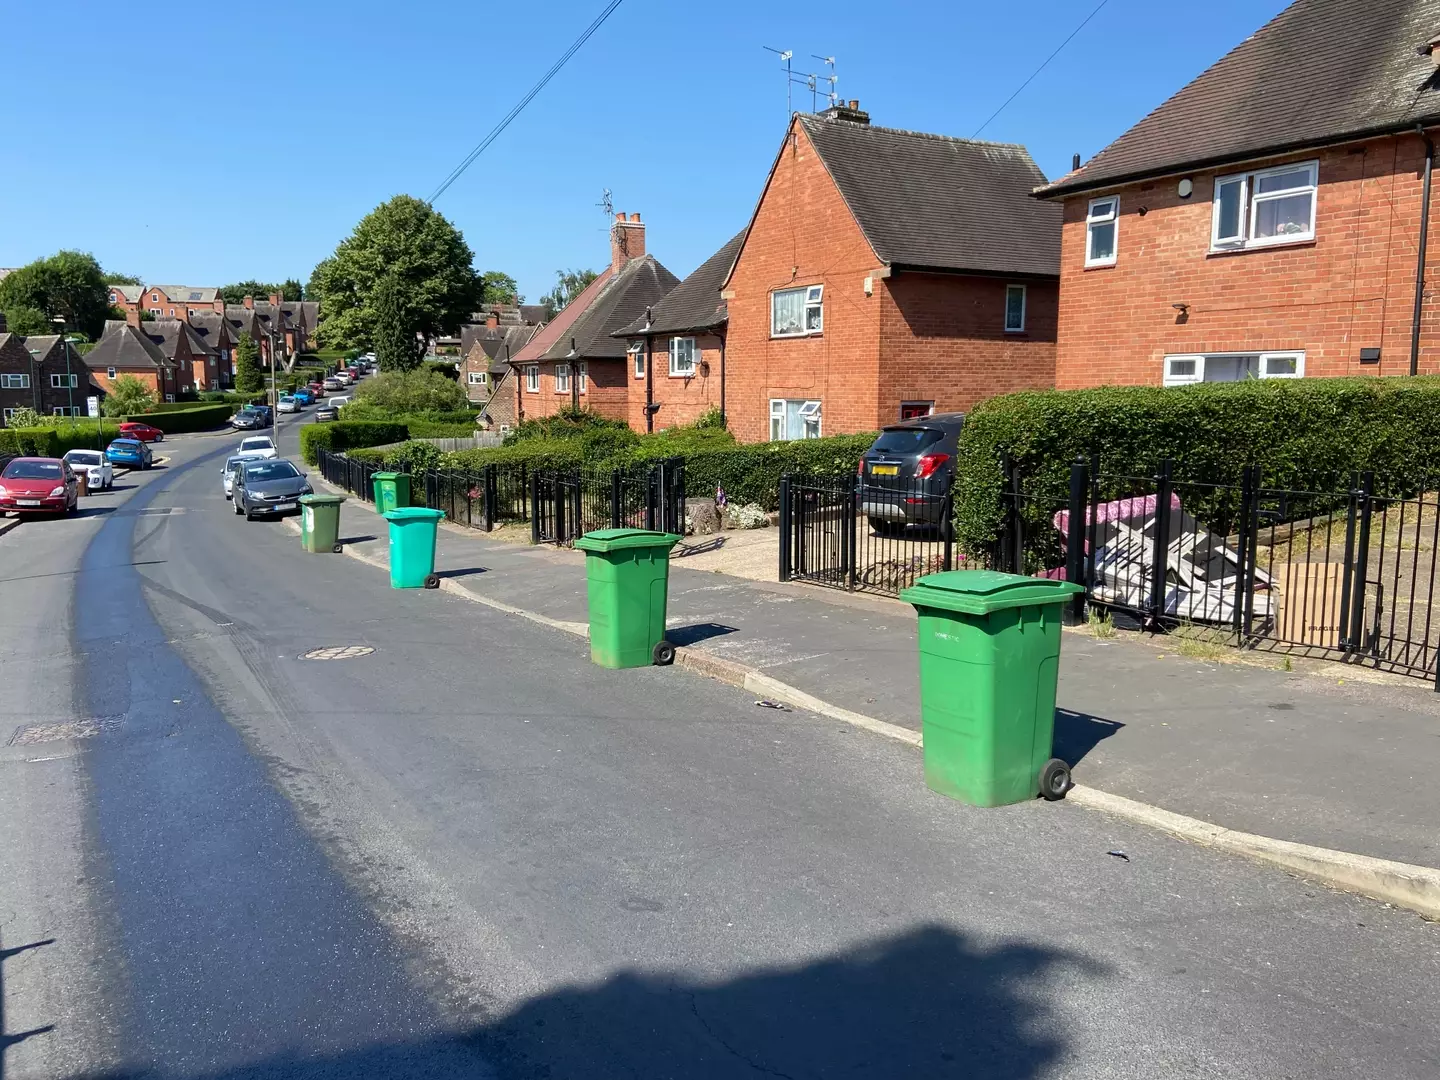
(291, 290)
(423, 257)
(26, 320)
(122, 279)
(412, 392)
(500, 288)
(396, 346)
(68, 284)
(128, 396)
(568, 285)
(260, 290)
(248, 377)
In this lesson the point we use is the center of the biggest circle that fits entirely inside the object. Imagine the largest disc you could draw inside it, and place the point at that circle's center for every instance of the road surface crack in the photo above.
(695, 1008)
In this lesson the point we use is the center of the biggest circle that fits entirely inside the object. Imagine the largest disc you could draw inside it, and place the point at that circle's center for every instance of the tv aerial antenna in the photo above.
(812, 81)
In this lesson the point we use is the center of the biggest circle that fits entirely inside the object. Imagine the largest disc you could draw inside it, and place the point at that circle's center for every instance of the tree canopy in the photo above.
(407, 255)
(122, 279)
(26, 320)
(128, 396)
(412, 392)
(69, 284)
(289, 289)
(568, 285)
(248, 377)
(500, 288)
(397, 347)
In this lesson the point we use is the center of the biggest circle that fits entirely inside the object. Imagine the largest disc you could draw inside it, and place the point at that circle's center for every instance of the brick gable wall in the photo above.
(682, 400)
(1352, 287)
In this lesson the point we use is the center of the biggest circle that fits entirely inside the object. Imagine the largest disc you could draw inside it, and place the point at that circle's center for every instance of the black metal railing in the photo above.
(569, 502)
(478, 500)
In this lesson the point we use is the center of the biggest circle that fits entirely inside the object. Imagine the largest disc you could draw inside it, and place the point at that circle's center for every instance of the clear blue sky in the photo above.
(246, 143)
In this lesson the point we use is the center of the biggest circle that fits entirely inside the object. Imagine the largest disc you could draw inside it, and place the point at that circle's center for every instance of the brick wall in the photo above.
(149, 376)
(1352, 287)
(475, 362)
(682, 400)
(606, 392)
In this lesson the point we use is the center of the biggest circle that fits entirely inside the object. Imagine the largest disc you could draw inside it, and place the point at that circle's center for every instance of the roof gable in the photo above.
(1321, 71)
(639, 284)
(125, 349)
(563, 320)
(695, 303)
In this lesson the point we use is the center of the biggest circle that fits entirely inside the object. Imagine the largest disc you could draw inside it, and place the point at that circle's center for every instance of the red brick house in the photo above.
(127, 298)
(485, 371)
(677, 349)
(1268, 220)
(214, 330)
(37, 373)
(884, 274)
(177, 301)
(575, 361)
(196, 364)
(124, 350)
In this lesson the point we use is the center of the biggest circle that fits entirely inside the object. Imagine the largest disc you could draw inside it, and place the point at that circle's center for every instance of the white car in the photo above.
(345, 377)
(255, 447)
(336, 400)
(99, 473)
(229, 473)
(287, 404)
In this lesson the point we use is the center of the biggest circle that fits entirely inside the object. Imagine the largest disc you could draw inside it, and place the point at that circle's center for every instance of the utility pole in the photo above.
(59, 320)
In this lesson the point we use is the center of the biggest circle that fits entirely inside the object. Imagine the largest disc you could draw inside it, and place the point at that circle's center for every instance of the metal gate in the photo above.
(567, 503)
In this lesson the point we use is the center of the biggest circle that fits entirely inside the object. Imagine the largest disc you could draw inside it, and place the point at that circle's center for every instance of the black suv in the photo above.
(905, 475)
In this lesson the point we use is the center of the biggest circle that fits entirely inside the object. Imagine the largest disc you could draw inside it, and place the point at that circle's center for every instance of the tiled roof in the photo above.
(564, 319)
(695, 303)
(311, 311)
(1321, 71)
(931, 202)
(131, 293)
(125, 348)
(640, 284)
(493, 342)
(187, 294)
(206, 325)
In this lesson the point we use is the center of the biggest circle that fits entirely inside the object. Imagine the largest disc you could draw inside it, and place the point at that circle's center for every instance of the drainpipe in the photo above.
(1420, 259)
(649, 376)
(725, 423)
(574, 362)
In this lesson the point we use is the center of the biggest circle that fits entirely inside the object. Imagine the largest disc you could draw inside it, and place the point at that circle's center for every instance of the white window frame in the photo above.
(814, 300)
(532, 378)
(1251, 202)
(637, 350)
(9, 413)
(155, 299)
(63, 382)
(112, 298)
(156, 312)
(65, 410)
(110, 373)
(9, 381)
(1263, 360)
(477, 378)
(904, 405)
(1109, 217)
(170, 398)
(684, 370)
(562, 378)
(582, 376)
(810, 408)
(1009, 290)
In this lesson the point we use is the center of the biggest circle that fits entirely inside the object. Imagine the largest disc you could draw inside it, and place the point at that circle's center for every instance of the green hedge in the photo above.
(179, 421)
(56, 441)
(1300, 431)
(346, 435)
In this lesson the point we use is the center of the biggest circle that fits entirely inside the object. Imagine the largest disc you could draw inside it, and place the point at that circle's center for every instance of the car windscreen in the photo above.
(83, 457)
(231, 463)
(906, 440)
(31, 470)
(270, 470)
(257, 444)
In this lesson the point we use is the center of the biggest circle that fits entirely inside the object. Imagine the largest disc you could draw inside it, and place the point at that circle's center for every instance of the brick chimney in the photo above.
(492, 318)
(275, 299)
(249, 302)
(132, 316)
(847, 110)
(627, 240)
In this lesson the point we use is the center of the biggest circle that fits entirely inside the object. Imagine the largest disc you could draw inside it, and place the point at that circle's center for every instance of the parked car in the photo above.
(332, 383)
(257, 446)
(288, 404)
(98, 472)
(343, 377)
(305, 396)
(327, 412)
(132, 453)
(143, 432)
(232, 464)
(247, 419)
(318, 389)
(267, 414)
(268, 487)
(338, 400)
(31, 485)
(908, 470)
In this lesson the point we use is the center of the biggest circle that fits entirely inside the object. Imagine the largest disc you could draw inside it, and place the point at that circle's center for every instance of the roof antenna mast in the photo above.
(785, 54)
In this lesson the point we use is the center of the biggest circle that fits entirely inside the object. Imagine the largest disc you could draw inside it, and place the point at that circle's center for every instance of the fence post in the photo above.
(562, 529)
(1075, 537)
(1161, 546)
(652, 485)
(1016, 527)
(947, 528)
(785, 527)
(851, 488)
(488, 489)
(1245, 570)
(615, 498)
(525, 493)
(534, 493)
(1362, 559)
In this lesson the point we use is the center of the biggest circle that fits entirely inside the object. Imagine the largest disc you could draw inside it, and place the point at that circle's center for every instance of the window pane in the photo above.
(1180, 368)
(1102, 210)
(1231, 368)
(1282, 365)
(1102, 241)
(1288, 215)
(813, 317)
(787, 311)
(1294, 178)
(1014, 308)
(813, 293)
(1227, 219)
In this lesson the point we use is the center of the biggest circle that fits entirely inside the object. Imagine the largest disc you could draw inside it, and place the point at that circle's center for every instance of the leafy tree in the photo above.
(248, 377)
(291, 290)
(396, 346)
(411, 392)
(145, 316)
(568, 285)
(69, 284)
(27, 320)
(128, 396)
(122, 279)
(440, 367)
(407, 258)
(500, 288)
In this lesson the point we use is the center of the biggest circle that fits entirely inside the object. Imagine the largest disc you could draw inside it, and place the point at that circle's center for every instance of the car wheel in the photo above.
(248, 515)
(160, 437)
(236, 506)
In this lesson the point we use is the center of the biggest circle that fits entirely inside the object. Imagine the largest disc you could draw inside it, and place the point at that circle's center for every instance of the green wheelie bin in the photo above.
(412, 547)
(627, 574)
(989, 663)
(392, 490)
(320, 523)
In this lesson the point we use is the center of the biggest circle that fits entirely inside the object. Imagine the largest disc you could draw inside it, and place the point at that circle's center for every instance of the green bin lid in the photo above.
(385, 475)
(979, 592)
(413, 513)
(322, 500)
(603, 540)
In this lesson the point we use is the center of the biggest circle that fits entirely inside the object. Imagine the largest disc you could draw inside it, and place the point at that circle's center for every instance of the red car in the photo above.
(318, 389)
(143, 432)
(38, 485)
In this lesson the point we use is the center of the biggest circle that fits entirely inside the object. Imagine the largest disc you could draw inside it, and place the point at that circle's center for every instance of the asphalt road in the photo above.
(471, 853)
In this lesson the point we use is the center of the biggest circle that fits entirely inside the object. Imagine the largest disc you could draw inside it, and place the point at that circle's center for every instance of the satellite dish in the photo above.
(1186, 187)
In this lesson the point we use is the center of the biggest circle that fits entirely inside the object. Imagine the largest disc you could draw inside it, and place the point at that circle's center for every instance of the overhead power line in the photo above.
(1041, 68)
(494, 134)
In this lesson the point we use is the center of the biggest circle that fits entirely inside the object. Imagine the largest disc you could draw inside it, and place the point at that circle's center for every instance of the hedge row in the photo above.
(1300, 431)
(179, 421)
(346, 435)
(56, 442)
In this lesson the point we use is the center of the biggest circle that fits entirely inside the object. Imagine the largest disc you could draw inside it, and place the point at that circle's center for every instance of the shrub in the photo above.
(127, 394)
(414, 457)
(411, 392)
(439, 367)
(347, 434)
(711, 418)
(566, 424)
(25, 418)
(1299, 431)
(28, 442)
(84, 436)
(194, 418)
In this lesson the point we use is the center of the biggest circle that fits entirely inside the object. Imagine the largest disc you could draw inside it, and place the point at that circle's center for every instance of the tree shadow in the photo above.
(925, 1003)
(1077, 733)
(696, 633)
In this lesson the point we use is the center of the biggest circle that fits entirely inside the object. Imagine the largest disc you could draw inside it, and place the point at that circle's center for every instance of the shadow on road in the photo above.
(356, 539)
(928, 1003)
(696, 633)
(468, 571)
(1077, 733)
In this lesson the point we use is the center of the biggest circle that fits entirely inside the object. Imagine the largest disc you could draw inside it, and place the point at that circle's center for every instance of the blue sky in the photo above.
(246, 143)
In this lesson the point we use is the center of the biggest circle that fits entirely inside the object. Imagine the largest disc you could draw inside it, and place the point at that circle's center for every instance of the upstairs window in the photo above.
(1270, 206)
(477, 378)
(1014, 309)
(682, 356)
(562, 378)
(637, 354)
(797, 312)
(582, 375)
(532, 378)
(14, 382)
(1102, 223)
(62, 382)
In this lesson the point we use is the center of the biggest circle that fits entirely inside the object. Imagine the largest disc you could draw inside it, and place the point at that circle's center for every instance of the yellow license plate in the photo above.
(884, 470)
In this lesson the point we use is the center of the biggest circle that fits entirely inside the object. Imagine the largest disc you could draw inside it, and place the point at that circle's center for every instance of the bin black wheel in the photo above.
(432, 581)
(663, 654)
(338, 548)
(1055, 780)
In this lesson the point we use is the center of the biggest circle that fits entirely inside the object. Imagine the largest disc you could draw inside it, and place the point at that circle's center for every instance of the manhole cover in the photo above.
(63, 729)
(338, 652)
